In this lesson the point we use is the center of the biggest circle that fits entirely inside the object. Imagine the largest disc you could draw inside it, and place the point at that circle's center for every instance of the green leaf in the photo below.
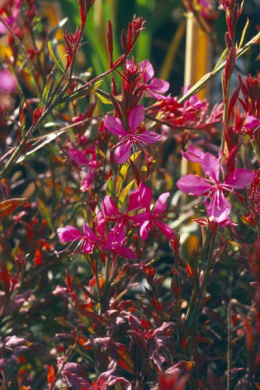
(110, 190)
(48, 88)
(121, 178)
(221, 58)
(124, 193)
(54, 58)
(243, 34)
(45, 213)
(102, 98)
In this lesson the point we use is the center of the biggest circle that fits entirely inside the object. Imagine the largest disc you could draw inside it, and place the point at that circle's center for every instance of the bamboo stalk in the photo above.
(197, 64)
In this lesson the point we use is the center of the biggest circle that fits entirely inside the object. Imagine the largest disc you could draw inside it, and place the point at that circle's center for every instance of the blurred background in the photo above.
(162, 42)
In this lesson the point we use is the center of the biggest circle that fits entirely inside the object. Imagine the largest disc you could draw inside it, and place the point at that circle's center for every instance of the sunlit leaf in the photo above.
(54, 58)
(124, 193)
(110, 188)
(102, 98)
(7, 206)
(121, 178)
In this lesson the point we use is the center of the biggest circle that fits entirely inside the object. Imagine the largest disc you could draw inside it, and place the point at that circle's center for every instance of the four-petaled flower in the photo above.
(150, 220)
(132, 136)
(218, 207)
(154, 86)
(86, 241)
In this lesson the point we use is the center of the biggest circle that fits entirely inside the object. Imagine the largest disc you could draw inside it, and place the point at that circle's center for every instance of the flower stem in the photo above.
(205, 262)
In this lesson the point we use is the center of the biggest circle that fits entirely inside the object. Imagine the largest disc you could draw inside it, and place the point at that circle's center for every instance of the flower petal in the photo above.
(69, 233)
(193, 185)
(109, 207)
(123, 152)
(148, 137)
(251, 122)
(144, 230)
(159, 85)
(165, 229)
(114, 125)
(193, 154)
(140, 198)
(87, 246)
(89, 233)
(146, 195)
(7, 81)
(219, 207)
(116, 237)
(136, 117)
(211, 166)
(126, 252)
(240, 178)
(160, 205)
(147, 70)
(77, 156)
(141, 217)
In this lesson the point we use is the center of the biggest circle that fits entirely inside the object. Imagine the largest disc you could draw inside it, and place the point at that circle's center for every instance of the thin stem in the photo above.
(206, 256)
(204, 80)
(24, 52)
(229, 340)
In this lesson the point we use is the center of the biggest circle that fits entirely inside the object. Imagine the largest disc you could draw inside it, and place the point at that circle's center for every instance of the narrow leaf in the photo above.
(124, 193)
(45, 212)
(22, 116)
(7, 206)
(243, 33)
(102, 98)
(55, 60)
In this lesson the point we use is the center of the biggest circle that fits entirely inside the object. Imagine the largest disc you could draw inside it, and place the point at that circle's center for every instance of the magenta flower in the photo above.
(86, 241)
(131, 137)
(7, 82)
(86, 157)
(218, 207)
(12, 17)
(154, 86)
(152, 219)
(113, 239)
(251, 124)
(110, 211)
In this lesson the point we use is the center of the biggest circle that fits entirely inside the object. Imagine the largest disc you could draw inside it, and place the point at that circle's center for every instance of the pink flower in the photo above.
(13, 14)
(218, 207)
(151, 220)
(110, 211)
(154, 86)
(115, 240)
(86, 241)
(132, 137)
(251, 124)
(7, 81)
(86, 157)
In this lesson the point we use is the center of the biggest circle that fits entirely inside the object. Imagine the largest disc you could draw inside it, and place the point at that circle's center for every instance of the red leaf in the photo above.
(189, 270)
(7, 206)
(51, 374)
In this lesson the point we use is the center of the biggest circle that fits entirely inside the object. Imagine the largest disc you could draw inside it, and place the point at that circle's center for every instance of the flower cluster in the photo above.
(112, 224)
(212, 187)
